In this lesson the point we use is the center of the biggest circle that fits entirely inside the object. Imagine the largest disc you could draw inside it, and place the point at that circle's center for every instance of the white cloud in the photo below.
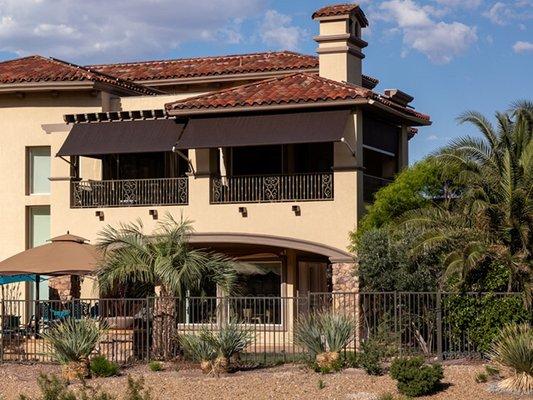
(439, 41)
(506, 13)
(523, 47)
(102, 30)
(460, 3)
(499, 13)
(278, 32)
(432, 138)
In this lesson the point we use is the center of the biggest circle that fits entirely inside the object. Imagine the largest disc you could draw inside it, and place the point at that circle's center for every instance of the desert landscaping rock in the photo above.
(285, 382)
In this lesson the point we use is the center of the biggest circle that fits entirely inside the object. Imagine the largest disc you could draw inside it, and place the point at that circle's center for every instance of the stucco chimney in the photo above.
(339, 42)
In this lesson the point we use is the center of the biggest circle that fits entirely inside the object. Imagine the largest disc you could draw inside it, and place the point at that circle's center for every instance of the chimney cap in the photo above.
(398, 96)
(342, 10)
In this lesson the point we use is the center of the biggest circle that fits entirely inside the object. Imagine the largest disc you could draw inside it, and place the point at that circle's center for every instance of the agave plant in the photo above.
(324, 335)
(216, 350)
(513, 349)
(72, 342)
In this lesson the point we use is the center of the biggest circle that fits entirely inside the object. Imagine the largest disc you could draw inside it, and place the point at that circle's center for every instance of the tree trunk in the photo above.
(164, 331)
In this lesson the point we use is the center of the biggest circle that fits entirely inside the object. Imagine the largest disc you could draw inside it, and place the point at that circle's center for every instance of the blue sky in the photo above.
(451, 55)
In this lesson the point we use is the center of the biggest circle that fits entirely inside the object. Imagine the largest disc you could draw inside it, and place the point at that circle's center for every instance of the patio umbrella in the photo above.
(64, 255)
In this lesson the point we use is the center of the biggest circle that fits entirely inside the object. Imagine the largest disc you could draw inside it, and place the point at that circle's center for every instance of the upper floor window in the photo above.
(38, 172)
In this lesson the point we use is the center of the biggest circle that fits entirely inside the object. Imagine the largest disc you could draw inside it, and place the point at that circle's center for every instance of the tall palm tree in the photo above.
(162, 259)
(492, 218)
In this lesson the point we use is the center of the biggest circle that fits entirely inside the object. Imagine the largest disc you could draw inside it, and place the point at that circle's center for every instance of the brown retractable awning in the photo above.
(264, 129)
(97, 138)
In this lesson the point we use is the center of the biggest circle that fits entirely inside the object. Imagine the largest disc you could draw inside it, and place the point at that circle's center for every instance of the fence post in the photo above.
(2, 329)
(396, 330)
(439, 325)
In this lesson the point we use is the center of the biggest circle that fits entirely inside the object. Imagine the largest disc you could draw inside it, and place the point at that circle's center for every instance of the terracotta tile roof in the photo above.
(341, 9)
(291, 89)
(209, 66)
(41, 69)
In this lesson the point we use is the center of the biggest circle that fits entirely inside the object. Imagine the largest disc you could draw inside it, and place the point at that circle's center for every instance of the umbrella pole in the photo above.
(37, 305)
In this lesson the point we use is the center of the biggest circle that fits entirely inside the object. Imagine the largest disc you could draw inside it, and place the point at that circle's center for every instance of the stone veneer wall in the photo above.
(344, 278)
(345, 283)
(64, 287)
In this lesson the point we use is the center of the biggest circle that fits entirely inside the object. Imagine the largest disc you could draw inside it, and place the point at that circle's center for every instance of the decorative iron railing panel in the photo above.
(271, 188)
(130, 192)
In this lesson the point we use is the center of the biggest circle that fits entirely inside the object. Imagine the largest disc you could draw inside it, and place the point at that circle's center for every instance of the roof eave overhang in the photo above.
(27, 87)
(270, 107)
(409, 119)
(222, 78)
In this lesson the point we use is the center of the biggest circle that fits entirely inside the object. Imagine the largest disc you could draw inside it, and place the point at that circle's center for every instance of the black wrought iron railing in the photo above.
(129, 192)
(272, 188)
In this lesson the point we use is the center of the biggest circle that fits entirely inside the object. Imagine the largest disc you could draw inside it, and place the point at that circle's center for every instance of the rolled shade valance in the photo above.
(263, 129)
(98, 138)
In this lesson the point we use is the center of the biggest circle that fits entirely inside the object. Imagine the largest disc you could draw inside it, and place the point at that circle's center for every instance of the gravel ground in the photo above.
(285, 382)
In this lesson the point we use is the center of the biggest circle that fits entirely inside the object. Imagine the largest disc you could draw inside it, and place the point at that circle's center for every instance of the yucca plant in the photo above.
(324, 335)
(513, 349)
(199, 350)
(216, 350)
(71, 343)
(228, 342)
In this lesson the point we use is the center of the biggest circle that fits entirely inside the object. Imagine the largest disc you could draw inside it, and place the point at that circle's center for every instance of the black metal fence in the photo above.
(143, 329)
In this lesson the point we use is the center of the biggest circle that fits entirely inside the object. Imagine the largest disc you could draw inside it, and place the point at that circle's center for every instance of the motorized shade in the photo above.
(98, 138)
(264, 129)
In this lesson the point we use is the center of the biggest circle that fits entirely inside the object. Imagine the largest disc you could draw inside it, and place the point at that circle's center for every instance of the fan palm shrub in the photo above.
(72, 342)
(324, 335)
(216, 350)
(162, 259)
(490, 219)
(513, 349)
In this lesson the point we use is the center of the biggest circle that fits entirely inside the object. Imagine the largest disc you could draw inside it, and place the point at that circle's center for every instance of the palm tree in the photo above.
(165, 260)
(492, 218)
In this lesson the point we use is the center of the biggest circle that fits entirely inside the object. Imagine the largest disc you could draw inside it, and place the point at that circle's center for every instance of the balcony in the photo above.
(271, 188)
(371, 184)
(130, 192)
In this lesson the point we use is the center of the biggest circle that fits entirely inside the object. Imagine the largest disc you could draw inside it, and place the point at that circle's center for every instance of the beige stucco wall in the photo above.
(323, 222)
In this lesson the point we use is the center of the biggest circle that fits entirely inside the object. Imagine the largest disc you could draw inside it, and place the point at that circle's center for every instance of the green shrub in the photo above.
(102, 367)
(320, 384)
(492, 371)
(155, 366)
(351, 359)
(513, 348)
(53, 388)
(136, 390)
(481, 377)
(370, 358)
(480, 318)
(414, 377)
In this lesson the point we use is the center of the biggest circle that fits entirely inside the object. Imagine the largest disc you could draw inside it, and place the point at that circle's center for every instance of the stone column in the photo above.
(65, 287)
(345, 292)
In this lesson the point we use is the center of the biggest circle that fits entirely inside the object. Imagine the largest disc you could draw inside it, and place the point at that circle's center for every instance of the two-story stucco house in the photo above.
(273, 156)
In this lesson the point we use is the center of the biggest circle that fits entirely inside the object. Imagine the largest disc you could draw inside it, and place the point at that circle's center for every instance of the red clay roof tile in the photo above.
(291, 89)
(341, 9)
(208, 66)
(42, 69)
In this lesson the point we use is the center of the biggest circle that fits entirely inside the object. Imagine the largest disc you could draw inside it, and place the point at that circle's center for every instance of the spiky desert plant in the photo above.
(324, 335)
(228, 342)
(71, 342)
(513, 349)
(199, 350)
